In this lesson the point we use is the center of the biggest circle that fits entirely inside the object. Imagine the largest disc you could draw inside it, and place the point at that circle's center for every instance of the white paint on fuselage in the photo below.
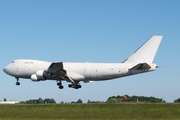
(97, 71)
(24, 68)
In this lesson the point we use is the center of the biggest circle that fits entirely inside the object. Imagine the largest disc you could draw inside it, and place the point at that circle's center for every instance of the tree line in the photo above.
(126, 98)
(39, 101)
(177, 100)
(112, 99)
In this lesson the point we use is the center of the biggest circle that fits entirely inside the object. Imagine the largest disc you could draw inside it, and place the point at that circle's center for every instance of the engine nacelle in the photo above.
(34, 78)
(38, 76)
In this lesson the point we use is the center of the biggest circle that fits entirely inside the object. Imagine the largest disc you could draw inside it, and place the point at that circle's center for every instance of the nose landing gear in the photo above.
(17, 83)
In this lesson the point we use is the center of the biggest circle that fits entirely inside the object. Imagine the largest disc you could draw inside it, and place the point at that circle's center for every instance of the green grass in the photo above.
(91, 112)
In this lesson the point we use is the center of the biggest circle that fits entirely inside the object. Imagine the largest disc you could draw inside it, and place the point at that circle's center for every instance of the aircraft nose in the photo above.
(8, 69)
(5, 69)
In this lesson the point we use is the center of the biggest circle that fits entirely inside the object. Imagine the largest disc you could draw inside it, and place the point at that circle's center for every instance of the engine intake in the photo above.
(39, 76)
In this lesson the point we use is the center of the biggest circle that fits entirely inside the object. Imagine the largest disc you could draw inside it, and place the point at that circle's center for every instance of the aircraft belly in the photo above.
(107, 73)
(89, 72)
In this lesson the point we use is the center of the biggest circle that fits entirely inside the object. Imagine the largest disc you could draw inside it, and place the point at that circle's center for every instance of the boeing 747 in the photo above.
(140, 61)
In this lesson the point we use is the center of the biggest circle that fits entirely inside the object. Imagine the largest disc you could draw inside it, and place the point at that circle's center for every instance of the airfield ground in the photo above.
(90, 112)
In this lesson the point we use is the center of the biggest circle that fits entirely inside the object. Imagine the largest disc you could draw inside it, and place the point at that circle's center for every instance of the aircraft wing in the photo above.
(56, 68)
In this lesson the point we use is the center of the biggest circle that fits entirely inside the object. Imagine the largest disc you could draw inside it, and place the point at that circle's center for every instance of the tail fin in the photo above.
(147, 52)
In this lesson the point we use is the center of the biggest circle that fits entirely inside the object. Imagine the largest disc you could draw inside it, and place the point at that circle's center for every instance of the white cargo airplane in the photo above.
(139, 62)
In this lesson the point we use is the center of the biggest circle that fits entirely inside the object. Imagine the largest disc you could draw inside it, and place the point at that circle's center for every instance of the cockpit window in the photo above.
(12, 61)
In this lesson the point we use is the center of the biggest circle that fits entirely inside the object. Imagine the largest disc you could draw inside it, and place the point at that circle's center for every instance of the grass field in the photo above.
(91, 112)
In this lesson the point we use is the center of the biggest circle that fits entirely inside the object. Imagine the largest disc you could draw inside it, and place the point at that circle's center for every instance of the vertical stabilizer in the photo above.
(147, 52)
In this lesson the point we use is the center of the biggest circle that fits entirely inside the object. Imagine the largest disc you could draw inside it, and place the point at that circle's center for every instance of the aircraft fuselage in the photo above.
(78, 71)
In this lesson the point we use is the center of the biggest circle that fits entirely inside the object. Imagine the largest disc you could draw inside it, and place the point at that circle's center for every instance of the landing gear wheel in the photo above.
(70, 85)
(61, 87)
(17, 83)
(58, 84)
(78, 86)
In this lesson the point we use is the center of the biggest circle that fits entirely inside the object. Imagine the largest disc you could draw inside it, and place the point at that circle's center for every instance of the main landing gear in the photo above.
(17, 83)
(74, 85)
(59, 83)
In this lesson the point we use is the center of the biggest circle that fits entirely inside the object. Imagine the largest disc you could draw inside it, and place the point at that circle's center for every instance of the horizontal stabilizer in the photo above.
(141, 66)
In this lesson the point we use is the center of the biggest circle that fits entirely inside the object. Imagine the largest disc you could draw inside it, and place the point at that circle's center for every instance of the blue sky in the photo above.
(90, 31)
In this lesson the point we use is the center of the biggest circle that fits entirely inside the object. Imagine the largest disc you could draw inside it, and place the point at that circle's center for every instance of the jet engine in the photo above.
(39, 75)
